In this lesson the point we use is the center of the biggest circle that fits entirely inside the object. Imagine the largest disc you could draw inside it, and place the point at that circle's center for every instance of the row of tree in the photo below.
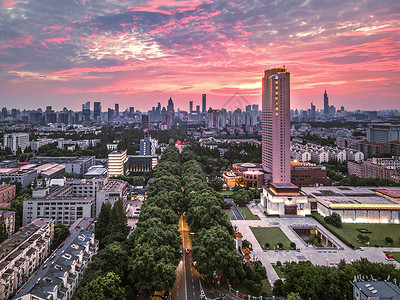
(213, 245)
(329, 283)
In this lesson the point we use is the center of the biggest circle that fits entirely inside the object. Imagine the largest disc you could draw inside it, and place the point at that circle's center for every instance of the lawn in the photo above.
(266, 288)
(230, 214)
(226, 193)
(349, 232)
(271, 235)
(278, 271)
(396, 256)
(247, 214)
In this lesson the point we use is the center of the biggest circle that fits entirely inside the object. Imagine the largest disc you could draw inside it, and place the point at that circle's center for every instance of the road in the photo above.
(189, 284)
(234, 209)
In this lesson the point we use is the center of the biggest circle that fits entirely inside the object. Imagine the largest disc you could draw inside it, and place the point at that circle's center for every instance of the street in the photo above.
(189, 285)
(234, 209)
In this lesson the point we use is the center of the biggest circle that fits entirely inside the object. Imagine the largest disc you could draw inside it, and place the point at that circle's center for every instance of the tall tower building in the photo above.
(326, 104)
(279, 196)
(312, 112)
(276, 124)
(116, 110)
(204, 103)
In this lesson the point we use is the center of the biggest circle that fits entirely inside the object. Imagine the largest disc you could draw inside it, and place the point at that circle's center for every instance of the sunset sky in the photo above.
(138, 53)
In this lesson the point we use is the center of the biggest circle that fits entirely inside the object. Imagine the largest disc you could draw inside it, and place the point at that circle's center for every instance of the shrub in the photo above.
(293, 245)
(267, 245)
(280, 245)
(278, 263)
(388, 240)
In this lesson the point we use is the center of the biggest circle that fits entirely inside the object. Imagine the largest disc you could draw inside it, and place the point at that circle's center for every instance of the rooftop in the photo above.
(379, 289)
(347, 197)
(114, 185)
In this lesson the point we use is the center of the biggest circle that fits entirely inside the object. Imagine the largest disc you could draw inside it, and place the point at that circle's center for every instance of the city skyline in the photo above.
(57, 53)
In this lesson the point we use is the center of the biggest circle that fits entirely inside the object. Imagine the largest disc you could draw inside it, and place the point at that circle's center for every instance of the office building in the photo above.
(15, 141)
(204, 103)
(307, 174)
(110, 115)
(62, 274)
(86, 111)
(312, 112)
(116, 163)
(22, 253)
(326, 104)
(148, 146)
(383, 133)
(280, 196)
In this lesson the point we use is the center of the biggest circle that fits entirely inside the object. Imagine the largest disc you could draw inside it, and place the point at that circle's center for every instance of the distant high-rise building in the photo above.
(86, 110)
(204, 103)
(190, 106)
(131, 110)
(110, 115)
(145, 122)
(326, 104)
(198, 109)
(170, 106)
(148, 146)
(116, 110)
(16, 140)
(276, 124)
(4, 113)
(236, 119)
(312, 112)
(96, 110)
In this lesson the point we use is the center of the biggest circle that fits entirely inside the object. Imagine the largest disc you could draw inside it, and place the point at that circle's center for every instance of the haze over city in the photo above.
(137, 53)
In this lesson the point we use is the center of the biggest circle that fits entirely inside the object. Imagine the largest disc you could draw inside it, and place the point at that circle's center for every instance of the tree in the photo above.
(267, 245)
(334, 219)
(241, 197)
(61, 232)
(226, 261)
(103, 225)
(279, 245)
(293, 245)
(118, 218)
(293, 296)
(103, 288)
(3, 230)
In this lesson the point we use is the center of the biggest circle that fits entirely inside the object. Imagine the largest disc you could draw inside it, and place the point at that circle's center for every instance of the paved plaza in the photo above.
(305, 252)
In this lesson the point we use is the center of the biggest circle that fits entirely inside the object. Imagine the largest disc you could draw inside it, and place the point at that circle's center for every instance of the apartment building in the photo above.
(62, 273)
(25, 177)
(23, 253)
(16, 140)
(116, 163)
(80, 165)
(7, 193)
(9, 220)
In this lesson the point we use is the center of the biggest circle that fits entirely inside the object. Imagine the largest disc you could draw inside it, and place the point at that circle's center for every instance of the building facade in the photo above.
(23, 253)
(15, 141)
(116, 163)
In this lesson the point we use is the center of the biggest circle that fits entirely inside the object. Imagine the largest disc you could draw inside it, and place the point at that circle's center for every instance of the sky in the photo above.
(137, 53)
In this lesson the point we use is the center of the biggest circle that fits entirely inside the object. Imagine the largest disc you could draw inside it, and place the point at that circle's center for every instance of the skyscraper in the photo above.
(326, 104)
(190, 106)
(96, 110)
(116, 111)
(86, 110)
(276, 124)
(204, 103)
(312, 112)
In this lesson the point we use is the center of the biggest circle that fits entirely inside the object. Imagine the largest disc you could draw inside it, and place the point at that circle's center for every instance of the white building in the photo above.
(110, 193)
(61, 276)
(15, 141)
(22, 253)
(116, 163)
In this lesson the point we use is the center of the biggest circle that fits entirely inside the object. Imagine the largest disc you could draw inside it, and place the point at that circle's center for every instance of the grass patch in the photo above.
(265, 288)
(247, 214)
(279, 271)
(271, 235)
(230, 215)
(396, 256)
(272, 216)
(349, 231)
(226, 193)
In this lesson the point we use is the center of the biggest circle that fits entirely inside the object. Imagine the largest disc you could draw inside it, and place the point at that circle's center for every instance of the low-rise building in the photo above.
(80, 165)
(141, 163)
(9, 220)
(97, 172)
(375, 290)
(253, 179)
(65, 204)
(110, 193)
(308, 174)
(61, 275)
(357, 204)
(23, 253)
(25, 177)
